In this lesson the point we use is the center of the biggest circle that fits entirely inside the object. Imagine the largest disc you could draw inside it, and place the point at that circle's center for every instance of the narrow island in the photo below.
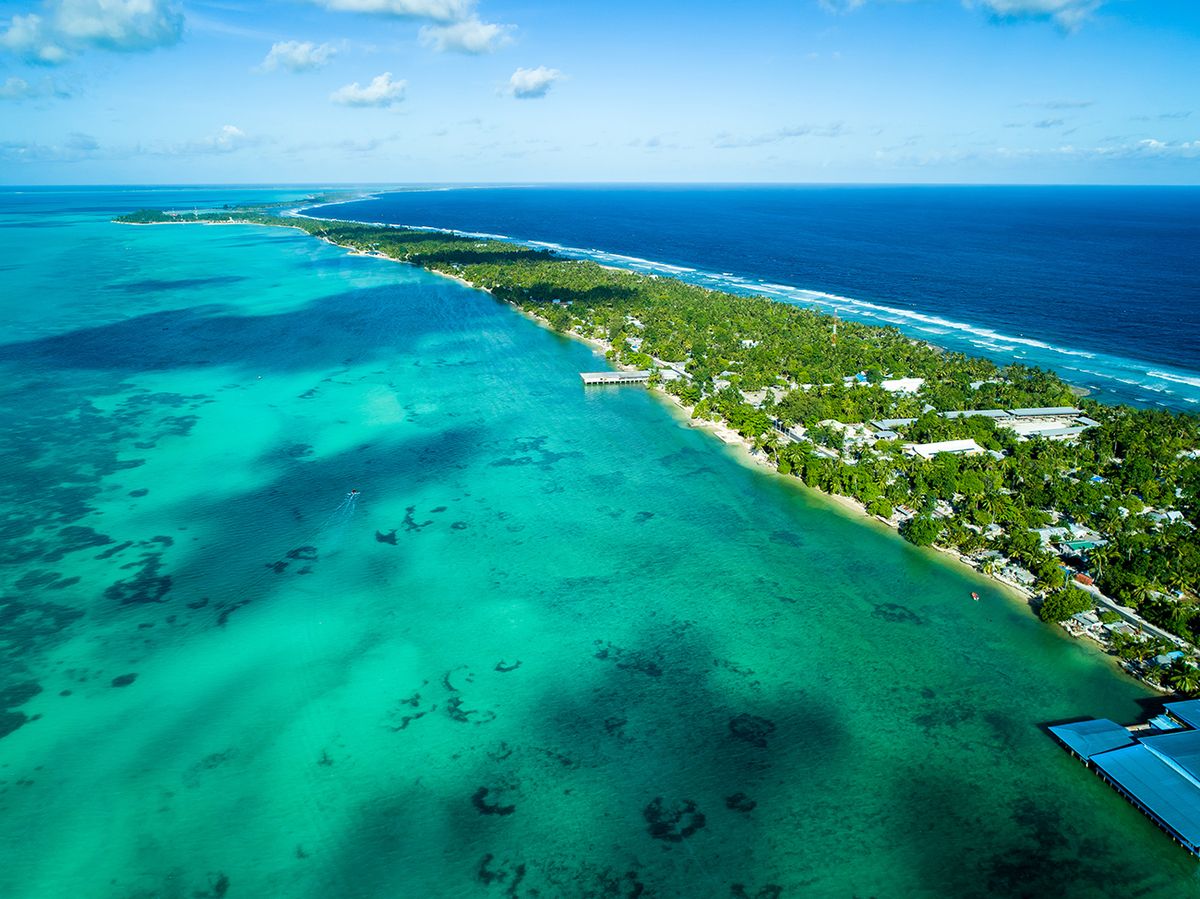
(1087, 508)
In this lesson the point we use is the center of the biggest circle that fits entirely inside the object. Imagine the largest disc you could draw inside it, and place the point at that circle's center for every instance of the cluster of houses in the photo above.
(1051, 423)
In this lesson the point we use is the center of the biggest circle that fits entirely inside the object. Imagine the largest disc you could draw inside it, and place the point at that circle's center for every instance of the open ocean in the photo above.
(559, 645)
(1101, 284)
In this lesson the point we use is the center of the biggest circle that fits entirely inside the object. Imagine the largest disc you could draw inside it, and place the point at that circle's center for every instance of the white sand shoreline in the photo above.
(741, 448)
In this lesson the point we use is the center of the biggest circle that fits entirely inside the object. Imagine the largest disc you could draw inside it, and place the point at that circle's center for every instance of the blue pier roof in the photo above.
(1087, 738)
(1179, 750)
(1187, 711)
(1166, 794)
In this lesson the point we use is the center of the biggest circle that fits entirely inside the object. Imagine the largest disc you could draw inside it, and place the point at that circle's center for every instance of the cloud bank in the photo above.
(1068, 14)
(727, 141)
(65, 28)
(436, 10)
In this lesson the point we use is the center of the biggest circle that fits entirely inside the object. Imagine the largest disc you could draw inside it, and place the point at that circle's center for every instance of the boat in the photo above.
(975, 596)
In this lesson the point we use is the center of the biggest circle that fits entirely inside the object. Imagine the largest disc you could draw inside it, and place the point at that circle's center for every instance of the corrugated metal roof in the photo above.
(1159, 788)
(977, 413)
(1045, 410)
(1057, 432)
(1181, 751)
(1187, 711)
(1086, 738)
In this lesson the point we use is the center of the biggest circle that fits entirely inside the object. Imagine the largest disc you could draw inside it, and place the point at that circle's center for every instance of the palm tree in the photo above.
(1103, 556)
(1183, 676)
(1140, 591)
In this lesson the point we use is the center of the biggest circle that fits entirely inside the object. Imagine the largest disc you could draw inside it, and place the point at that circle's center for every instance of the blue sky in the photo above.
(397, 91)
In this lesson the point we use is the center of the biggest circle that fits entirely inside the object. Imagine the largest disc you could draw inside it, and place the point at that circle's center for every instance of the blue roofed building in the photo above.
(1155, 766)
(1088, 738)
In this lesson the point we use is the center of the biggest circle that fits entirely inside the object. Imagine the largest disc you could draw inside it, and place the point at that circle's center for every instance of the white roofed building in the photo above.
(902, 385)
(957, 447)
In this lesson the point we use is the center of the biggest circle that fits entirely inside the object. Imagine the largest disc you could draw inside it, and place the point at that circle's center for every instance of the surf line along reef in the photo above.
(1081, 505)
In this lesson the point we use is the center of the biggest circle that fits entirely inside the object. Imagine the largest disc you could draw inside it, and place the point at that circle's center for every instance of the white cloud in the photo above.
(468, 36)
(297, 56)
(726, 141)
(1152, 147)
(529, 84)
(842, 5)
(1068, 14)
(31, 38)
(1061, 104)
(77, 146)
(228, 139)
(381, 92)
(437, 10)
(18, 89)
(65, 28)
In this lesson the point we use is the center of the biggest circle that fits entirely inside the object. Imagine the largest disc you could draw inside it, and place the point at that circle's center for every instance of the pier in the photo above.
(615, 377)
(1155, 766)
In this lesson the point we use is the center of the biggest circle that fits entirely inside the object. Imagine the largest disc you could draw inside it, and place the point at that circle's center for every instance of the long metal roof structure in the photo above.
(1169, 797)
(1159, 772)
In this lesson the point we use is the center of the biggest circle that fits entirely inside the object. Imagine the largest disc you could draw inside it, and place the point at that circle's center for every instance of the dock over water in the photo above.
(1155, 766)
(614, 377)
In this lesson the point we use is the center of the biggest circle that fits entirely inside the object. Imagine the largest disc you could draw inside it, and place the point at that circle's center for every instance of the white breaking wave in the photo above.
(976, 335)
(1177, 379)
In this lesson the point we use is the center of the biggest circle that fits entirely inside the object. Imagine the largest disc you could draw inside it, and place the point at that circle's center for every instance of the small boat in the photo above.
(975, 596)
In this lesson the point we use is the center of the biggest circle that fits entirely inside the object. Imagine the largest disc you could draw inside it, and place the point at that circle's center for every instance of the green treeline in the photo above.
(1134, 463)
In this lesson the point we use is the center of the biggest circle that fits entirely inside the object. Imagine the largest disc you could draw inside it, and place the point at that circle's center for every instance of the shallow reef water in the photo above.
(556, 645)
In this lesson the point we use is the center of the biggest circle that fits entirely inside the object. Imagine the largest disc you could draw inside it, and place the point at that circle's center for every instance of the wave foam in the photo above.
(1176, 379)
(977, 335)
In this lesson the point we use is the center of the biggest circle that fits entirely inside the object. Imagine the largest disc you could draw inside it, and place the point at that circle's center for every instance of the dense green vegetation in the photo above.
(728, 346)
(1063, 603)
(157, 217)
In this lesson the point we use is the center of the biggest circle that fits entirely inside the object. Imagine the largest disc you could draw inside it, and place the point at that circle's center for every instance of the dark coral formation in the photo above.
(454, 708)
(674, 824)
(146, 586)
(770, 891)
(479, 800)
(895, 613)
(740, 802)
(628, 659)
(228, 609)
(752, 729)
(410, 523)
(124, 680)
(500, 874)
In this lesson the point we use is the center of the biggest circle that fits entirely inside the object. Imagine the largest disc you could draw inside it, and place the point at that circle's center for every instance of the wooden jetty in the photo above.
(614, 377)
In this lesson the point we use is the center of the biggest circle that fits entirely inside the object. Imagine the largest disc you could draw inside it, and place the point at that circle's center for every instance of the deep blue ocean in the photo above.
(1101, 284)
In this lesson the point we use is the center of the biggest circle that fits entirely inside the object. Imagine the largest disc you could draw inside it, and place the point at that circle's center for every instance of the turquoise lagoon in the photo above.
(559, 645)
